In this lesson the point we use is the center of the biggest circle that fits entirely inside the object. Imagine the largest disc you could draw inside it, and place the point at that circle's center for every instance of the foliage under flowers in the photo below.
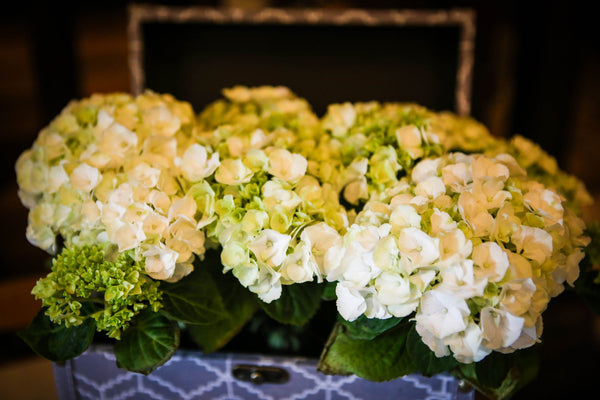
(440, 244)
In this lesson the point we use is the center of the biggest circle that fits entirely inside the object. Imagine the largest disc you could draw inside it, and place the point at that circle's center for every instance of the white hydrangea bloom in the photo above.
(442, 313)
(85, 177)
(459, 279)
(417, 247)
(195, 164)
(431, 187)
(485, 168)
(500, 328)
(404, 216)
(298, 266)
(475, 214)
(513, 166)
(386, 255)
(467, 345)
(163, 121)
(350, 303)
(529, 336)
(159, 150)
(441, 222)
(270, 247)
(340, 118)
(457, 176)
(375, 309)
(233, 172)
(285, 165)
(155, 224)
(254, 221)
(571, 267)
(534, 243)
(184, 207)
(279, 194)
(491, 261)
(435, 344)
(454, 247)
(410, 139)
(57, 176)
(425, 169)
(90, 211)
(160, 261)
(547, 204)
(110, 177)
(516, 296)
(321, 238)
(267, 286)
(144, 175)
(356, 190)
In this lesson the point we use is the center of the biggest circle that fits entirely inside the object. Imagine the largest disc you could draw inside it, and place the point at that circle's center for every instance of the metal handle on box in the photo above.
(260, 374)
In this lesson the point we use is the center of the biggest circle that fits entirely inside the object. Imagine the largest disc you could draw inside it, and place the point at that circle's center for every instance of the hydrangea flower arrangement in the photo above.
(439, 244)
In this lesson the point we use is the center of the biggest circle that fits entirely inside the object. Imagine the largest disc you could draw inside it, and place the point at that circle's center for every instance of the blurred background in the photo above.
(536, 73)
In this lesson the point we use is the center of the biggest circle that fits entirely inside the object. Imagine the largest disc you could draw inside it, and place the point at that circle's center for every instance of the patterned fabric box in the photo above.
(193, 375)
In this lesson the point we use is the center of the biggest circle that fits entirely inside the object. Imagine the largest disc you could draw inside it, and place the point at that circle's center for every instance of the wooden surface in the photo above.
(27, 379)
(17, 305)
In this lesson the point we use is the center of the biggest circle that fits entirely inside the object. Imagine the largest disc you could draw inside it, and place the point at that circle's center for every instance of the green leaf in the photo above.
(148, 343)
(329, 292)
(502, 375)
(494, 369)
(364, 328)
(424, 359)
(297, 304)
(194, 299)
(238, 300)
(380, 359)
(57, 342)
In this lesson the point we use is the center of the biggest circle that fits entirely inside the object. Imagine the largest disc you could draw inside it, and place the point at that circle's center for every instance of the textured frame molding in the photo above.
(462, 18)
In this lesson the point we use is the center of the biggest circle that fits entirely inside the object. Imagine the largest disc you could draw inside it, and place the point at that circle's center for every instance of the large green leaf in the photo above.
(500, 376)
(329, 291)
(364, 328)
(57, 342)
(239, 302)
(297, 304)
(194, 299)
(424, 359)
(380, 359)
(148, 343)
(494, 369)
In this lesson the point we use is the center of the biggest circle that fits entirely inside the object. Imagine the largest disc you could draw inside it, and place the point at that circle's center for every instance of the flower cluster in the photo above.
(264, 194)
(408, 212)
(83, 274)
(114, 169)
(467, 135)
(471, 245)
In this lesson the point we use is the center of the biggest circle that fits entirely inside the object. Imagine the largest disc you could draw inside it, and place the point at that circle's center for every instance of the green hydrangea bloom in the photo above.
(84, 274)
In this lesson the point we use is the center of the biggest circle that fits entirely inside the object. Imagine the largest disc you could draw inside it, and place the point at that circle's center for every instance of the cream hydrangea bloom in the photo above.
(459, 231)
(285, 165)
(108, 165)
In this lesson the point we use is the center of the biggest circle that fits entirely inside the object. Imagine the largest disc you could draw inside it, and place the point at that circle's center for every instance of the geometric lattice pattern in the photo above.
(194, 376)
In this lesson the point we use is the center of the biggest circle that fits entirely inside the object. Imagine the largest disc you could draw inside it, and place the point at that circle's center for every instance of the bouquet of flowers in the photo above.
(437, 245)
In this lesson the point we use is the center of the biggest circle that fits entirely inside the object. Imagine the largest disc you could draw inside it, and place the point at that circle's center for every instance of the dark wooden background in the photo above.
(536, 74)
